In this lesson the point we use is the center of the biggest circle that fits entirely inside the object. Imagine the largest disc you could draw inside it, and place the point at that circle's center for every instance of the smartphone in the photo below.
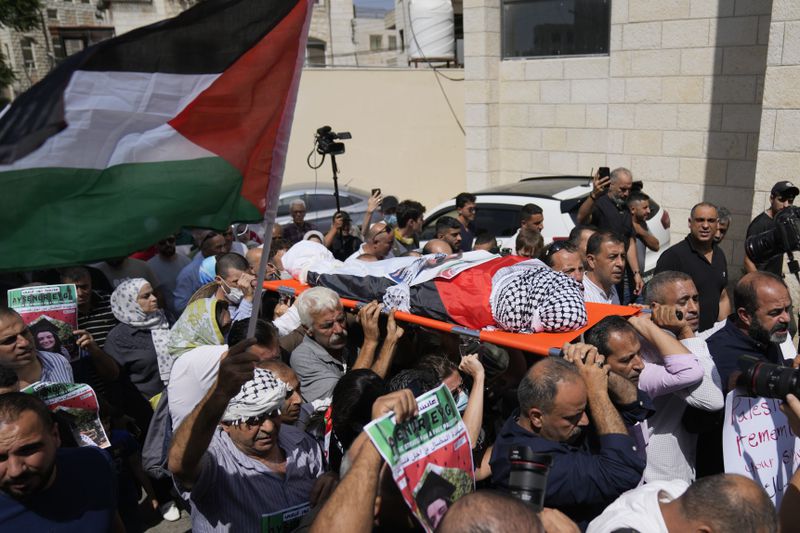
(376, 192)
(604, 172)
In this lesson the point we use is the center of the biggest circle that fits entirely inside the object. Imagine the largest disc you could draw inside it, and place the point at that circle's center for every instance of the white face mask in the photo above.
(233, 295)
(461, 401)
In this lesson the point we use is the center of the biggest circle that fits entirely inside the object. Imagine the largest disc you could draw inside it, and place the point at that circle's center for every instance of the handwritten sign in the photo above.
(758, 443)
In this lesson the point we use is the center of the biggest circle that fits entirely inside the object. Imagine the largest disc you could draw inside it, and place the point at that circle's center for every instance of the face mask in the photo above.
(391, 219)
(461, 401)
(234, 295)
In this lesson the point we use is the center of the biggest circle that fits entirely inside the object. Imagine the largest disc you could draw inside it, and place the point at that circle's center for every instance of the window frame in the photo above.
(503, 52)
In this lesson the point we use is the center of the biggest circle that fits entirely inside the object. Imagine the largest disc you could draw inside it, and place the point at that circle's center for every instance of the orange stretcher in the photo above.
(537, 343)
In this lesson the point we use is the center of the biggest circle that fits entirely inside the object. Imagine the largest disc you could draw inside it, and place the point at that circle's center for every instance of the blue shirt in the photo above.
(727, 344)
(187, 283)
(82, 498)
(581, 482)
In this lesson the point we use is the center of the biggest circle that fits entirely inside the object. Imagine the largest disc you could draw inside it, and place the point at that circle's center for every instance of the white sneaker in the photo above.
(170, 512)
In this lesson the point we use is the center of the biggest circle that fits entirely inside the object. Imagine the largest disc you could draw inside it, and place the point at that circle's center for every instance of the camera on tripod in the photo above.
(326, 141)
(783, 238)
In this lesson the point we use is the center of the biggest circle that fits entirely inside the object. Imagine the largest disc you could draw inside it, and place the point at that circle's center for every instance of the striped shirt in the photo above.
(55, 368)
(100, 320)
(596, 294)
(234, 491)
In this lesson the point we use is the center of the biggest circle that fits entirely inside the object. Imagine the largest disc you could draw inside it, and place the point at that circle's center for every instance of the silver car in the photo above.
(559, 197)
(321, 203)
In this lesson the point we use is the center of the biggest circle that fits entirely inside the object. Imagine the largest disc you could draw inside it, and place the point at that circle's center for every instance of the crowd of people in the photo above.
(235, 429)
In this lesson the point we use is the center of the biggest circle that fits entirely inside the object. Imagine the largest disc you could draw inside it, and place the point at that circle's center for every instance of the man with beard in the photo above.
(759, 327)
(553, 399)
(700, 257)
(605, 262)
(465, 206)
(606, 207)
(47, 488)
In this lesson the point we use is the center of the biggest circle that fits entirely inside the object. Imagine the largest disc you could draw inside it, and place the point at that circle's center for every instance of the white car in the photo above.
(498, 211)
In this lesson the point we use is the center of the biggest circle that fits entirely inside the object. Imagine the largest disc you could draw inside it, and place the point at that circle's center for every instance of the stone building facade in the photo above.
(698, 98)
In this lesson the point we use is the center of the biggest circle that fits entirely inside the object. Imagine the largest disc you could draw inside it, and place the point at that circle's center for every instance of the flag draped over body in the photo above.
(181, 123)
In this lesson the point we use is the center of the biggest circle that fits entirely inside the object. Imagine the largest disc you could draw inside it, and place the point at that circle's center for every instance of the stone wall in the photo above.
(677, 100)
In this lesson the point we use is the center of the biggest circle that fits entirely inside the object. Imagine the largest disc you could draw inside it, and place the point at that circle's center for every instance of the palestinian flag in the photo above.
(182, 123)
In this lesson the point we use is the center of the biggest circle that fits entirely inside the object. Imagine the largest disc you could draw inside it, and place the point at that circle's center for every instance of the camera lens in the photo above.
(768, 380)
(762, 246)
(527, 480)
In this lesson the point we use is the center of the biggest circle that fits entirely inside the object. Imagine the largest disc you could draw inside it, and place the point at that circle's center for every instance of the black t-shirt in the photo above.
(709, 278)
(760, 224)
(608, 216)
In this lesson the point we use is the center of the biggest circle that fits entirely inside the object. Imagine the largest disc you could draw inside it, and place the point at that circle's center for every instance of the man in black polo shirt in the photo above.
(699, 257)
(606, 208)
(465, 206)
(782, 196)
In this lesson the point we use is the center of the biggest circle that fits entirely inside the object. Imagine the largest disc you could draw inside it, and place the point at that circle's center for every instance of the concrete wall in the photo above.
(677, 100)
(779, 142)
(405, 139)
(126, 16)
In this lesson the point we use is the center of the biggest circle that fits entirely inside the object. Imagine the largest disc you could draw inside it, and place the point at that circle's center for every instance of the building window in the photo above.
(546, 28)
(392, 42)
(28, 56)
(52, 14)
(68, 41)
(315, 53)
(375, 42)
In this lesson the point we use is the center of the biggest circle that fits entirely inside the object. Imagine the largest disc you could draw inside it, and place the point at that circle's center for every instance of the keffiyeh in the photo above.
(262, 394)
(530, 297)
(127, 310)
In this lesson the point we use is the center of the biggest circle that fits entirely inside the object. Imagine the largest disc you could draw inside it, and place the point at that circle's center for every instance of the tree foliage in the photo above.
(19, 15)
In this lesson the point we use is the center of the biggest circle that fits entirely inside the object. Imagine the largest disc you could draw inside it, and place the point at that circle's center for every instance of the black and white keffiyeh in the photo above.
(262, 394)
(530, 297)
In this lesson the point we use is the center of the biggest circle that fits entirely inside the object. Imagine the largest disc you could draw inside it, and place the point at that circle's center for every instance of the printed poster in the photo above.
(76, 405)
(51, 313)
(430, 455)
(757, 442)
(286, 520)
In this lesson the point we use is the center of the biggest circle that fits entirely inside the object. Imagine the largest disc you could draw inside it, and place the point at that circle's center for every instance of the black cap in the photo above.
(785, 188)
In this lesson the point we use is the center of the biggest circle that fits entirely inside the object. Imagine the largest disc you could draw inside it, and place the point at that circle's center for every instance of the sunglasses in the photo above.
(556, 247)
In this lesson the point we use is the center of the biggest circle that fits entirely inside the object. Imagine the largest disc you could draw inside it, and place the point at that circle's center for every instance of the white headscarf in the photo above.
(262, 394)
(127, 310)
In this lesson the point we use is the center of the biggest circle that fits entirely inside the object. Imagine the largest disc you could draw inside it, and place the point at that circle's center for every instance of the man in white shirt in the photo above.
(721, 503)
(672, 448)
(605, 266)
(194, 372)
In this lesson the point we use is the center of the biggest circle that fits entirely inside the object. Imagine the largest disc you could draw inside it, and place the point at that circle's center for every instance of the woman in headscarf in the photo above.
(204, 322)
(139, 341)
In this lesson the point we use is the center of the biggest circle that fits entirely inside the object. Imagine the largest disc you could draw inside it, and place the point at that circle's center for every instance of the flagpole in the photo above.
(273, 192)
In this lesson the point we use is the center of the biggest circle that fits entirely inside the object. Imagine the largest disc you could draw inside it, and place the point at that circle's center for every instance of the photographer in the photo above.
(782, 196)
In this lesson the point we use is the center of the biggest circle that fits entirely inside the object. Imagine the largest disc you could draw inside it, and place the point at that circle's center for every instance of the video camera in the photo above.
(783, 238)
(759, 378)
(325, 141)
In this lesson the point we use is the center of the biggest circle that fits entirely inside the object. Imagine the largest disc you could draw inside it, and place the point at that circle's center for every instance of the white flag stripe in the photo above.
(120, 117)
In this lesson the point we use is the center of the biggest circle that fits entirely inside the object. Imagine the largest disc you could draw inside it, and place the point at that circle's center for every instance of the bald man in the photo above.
(487, 510)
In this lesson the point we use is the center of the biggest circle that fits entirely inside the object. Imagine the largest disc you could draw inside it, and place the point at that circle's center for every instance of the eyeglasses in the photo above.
(472, 209)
